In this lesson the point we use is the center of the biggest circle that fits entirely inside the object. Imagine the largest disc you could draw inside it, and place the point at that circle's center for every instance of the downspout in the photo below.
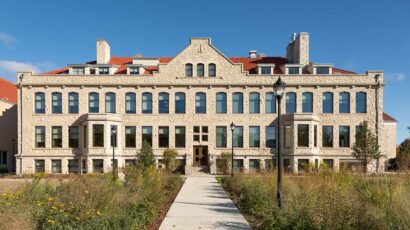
(377, 78)
(20, 155)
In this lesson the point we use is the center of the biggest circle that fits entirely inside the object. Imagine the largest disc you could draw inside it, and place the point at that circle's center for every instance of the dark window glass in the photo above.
(204, 129)
(98, 166)
(361, 102)
(74, 136)
(73, 166)
(271, 136)
(78, 71)
(254, 165)
(146, 103)
(315, 136)
(221, 103)
(40, 103)
(130, 103)
(344, 102)
(180, 103)
(85, 136)
(290, 102)
(104, 70)
(303, 135)
(93, 103)
(212, 70)
(55, 166)
(327, 136)
(200, 103)
(188, 70)
(110, 102)
(57, 137)
(73, 102)
(270, 103)
(200, 70)
(196, 129)
(163, 103)
(39, 166)
(163, 137)
(238, 136)
(237, 103)
(329, 163)
(327, 103)
(322, 70)
(57, 103)
(147, 135)
(266, 70)
(307, 102)
(180, 136)
(130, 133)
(344, 136)
(40, 137)
(254, 103)
(293, 70)
(254, 136)
(221, 136)
(98, 135)
(134, 70)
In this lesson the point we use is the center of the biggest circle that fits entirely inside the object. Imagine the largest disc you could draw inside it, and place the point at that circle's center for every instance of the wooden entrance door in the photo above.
(200, 155)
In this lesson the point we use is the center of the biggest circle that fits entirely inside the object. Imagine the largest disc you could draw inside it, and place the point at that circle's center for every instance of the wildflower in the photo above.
(51, 222)
(98, 213)
(77, 218)
(53, 207)
(50, 198)
(86, 192)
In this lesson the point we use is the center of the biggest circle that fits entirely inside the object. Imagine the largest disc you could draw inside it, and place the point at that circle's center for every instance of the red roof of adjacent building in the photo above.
(387, 117)
(8, 91)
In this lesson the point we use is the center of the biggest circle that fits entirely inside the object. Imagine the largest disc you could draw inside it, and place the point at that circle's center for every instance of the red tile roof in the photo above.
(341, 71)
(251, 64)
(387, 117)
(8, 91)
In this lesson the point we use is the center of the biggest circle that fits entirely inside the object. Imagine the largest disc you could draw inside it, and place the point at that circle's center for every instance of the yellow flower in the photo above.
(51, 222)
(98, 213)
(54, 207)
(77, 218)
(50, 198)
(86, 192)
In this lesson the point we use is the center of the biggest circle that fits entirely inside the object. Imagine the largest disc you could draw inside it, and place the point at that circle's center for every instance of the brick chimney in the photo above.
(297, 51)
(103, 52)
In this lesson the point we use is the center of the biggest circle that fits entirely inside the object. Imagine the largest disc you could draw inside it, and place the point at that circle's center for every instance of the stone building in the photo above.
(71, 117)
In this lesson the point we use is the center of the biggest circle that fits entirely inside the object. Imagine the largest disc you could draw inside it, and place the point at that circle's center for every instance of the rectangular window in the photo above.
(344, 136)
(271, 136)
(221, 103)
(315, 136)
(104, 70)
(57, 103)
(221, 133)
(40, 103)
(270, 164)
(254, 136)
(322, 70)
(288, 136)
(254, 103)
(39, 166)
(180, 103)
(57, 137)
(293, 70)
(238, 137)
(3, 157)
(163, 137)
(327, 136)
(147, 134)
(237, 103)
(93, 103)
(85, 136)
(73, 102)
(98, 135)
(40, 137)
(98, 166)
(56, 166)
(303, 165)
(254, 165)
(73, 136)
(266, 70)
(303, 135)
(130, 132)
(73, 166)
(180, 136)
(78, 70)
(134, 70)
(329, 163)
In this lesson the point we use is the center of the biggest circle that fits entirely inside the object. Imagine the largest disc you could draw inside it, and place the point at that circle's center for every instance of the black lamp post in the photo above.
(232, 128)
(279, 89)
(113, 133)
(13, 142)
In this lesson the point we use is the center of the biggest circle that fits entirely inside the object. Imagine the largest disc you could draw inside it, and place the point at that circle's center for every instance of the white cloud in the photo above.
(7, 40)
(14, 66)
(394, 77)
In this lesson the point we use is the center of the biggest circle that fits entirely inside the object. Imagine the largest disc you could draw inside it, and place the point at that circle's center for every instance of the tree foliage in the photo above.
(170, 159)
(225, 162)
(365, 148)
(145, 156)
(403, 156)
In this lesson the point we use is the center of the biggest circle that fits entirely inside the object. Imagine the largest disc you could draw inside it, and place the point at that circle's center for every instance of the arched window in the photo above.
(163, 103)
(200, 103)
(307, 102)
(40, 102)
(147, 103)
(327, 102)
(188, 70)
(344, 102)
(110, 102)
(270, 103)
(290, 102)
(237, 103)
(221, 103)
(93, 103)
(361, 102)
(200, 70)
(73, 102)
(180, 103)
(130, 103)
(57, 103)
(212, 70)
(254, 103)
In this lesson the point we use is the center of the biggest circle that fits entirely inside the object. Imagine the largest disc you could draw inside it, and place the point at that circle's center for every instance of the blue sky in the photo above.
(351, 34)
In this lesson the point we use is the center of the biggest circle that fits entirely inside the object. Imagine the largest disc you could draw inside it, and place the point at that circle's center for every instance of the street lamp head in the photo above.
(113, 130)
(279, 87)
(232, 126)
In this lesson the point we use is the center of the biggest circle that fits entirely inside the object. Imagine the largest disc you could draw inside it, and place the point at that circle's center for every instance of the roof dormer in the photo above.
(266, 68)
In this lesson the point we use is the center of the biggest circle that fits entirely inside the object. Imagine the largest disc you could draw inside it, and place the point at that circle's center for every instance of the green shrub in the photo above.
(170, 160)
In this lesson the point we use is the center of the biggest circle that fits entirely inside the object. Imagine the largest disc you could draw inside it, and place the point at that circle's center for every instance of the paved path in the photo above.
(203, 204)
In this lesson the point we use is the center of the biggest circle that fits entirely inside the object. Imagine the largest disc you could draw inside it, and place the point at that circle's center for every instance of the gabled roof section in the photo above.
(8, 91)
(388, 118)
(251, 64)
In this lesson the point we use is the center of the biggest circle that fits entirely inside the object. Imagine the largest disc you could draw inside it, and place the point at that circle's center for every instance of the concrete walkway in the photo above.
(203, 204)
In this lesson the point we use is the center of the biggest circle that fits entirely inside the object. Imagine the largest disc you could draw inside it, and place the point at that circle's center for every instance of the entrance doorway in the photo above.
(200, 156)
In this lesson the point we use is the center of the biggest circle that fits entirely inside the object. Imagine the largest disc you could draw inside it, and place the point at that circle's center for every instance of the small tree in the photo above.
(224, 162)
(366, 147)
(170, 160)
(145, 156)
(403, 156)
